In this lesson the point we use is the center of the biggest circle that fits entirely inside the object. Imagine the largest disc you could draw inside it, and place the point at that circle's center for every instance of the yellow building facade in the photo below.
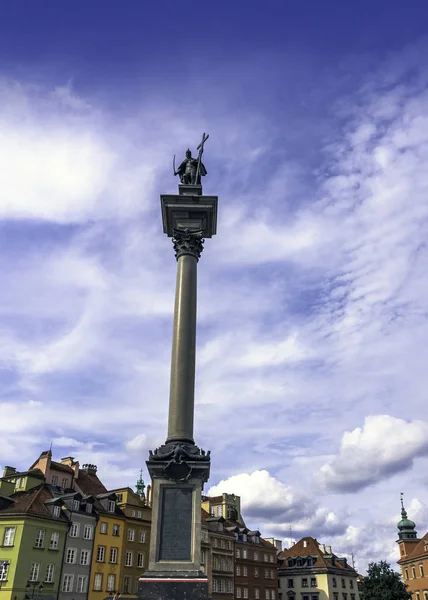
(108, 549)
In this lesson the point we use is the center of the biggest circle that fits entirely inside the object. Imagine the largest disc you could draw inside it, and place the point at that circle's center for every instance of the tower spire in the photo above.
(406, 527)
(140, 486)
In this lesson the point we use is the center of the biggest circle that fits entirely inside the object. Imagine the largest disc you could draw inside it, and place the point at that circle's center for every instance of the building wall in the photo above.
(24, 554)
(415, 576)
(257, 568)
(76, 569)
(222, 566)
(328, 586)
(105, 567)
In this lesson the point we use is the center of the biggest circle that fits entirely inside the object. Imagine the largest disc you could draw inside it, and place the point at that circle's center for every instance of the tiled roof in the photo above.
(60, 467)
(31, 502)
(309, 546)
(417, 552)
(89, 484)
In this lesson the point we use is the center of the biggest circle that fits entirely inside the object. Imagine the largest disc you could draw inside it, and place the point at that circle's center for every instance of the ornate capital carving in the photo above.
(179, 461)
(187, 242)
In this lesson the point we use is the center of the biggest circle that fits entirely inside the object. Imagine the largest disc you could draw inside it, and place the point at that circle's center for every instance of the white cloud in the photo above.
(384, 446)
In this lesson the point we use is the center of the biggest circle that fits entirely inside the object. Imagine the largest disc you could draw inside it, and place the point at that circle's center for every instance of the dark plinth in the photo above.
(172, 586)
(176, 524)
(189, 211)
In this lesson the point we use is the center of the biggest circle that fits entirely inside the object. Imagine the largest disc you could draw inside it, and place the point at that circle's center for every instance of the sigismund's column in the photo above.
(180, 468)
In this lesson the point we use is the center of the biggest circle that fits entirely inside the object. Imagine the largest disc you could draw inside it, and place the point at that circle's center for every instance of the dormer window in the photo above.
(111, 506)
(76, 505)
(56, 511)
(89, 508)
(244, 537)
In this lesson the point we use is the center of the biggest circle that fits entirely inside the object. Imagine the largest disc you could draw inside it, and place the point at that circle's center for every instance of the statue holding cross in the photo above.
(191, 169)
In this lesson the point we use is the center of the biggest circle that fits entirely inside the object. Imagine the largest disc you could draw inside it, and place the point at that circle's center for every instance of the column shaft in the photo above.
(182, 386)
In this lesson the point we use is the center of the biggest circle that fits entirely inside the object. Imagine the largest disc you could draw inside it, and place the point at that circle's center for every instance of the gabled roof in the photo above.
(89, 483)
(30, 473)
(32, 502)
(309, 546)
(60, 467)
(418, 551)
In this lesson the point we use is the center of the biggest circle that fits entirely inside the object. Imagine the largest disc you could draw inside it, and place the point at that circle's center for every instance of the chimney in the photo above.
(328, 549)
(74, 464)
(9, 471)
(90, 469)
(44, 462)
(322, 548)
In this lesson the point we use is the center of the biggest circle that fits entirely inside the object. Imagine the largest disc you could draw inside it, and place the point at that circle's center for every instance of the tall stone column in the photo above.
(179, 468)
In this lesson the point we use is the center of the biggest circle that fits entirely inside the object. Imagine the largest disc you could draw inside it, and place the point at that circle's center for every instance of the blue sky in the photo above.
(312, 327)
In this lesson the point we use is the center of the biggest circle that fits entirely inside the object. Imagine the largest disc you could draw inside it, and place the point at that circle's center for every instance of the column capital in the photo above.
(186, 241)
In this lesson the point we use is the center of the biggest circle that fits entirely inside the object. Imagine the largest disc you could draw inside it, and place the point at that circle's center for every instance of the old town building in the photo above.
(413, 559)
(311, 571)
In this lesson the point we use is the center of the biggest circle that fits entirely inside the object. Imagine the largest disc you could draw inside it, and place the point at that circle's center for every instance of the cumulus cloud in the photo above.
(275, 506)
(384, 446)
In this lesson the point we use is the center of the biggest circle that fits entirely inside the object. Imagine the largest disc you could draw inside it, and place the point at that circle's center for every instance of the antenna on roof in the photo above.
(353, 561)
(50, 448)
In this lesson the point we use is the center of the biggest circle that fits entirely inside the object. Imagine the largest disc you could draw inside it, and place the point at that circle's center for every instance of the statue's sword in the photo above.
(173, 165)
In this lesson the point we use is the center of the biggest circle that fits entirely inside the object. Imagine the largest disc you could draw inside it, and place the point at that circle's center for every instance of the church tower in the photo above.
(407, 536)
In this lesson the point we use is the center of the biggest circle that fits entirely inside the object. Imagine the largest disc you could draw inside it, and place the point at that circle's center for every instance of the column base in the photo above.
(172, 585)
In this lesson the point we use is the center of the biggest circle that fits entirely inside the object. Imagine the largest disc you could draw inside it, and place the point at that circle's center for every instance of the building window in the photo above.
(229, 586)
(215, 542)
(142, 537)
(421, 569)
(345, 596)
(351, 584)
(265, 558)
(76, 505)
(111, 580)
(413, 572)
(229, 545)
(84, 557)
(266, 573)
(334, 582)
(127, 583)
(128, 559)
(40, 538)
(64, 482)
(103, 527)
(314, 582)
(406, 574)
(256, 556)
(119, 497)
(56, 511)
(244, 553)
(4, 566)
(267, 594)
(335, 596)
(71, 556)
(257, 593)
(53, 545)
(34, 571)
(67, 583)
(82, 583)
(223, 586)
(222, 544)
(238, 570)
(113, 555)
(139, 515)
(140, 560)
(202, 557)
(245, 572)
(116, 529)
(131, 535)
(256, 572)
(304, 582)
(9, 536)
(271, 559)
(343, 583)
(352, 596)
(74, 530)
(245, 592)
(89, 508)
(98, 582)
(291, 583)
(87, 532)
(238, 553)
(55, 480)
(101, 553)
(238, 592)
(49, 573)
(133, 513)
(111, 506)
